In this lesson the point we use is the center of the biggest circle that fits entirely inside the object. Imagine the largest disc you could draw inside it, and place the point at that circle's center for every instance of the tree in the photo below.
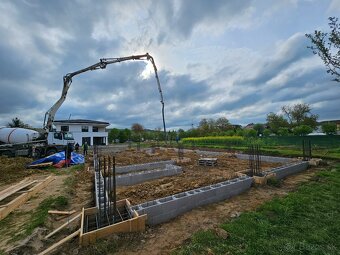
(300, 114)
(302, 130)
(124, 135)
(222, 124)
(329, 128)
(137, 128)
(327, 46)
(113, 135)
(283, 131)
(266, 132)
(276, 121)
(16, 122)
(259, 128)
(250, 132)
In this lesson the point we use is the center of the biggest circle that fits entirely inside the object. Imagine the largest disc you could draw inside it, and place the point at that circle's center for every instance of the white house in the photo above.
(91, 131)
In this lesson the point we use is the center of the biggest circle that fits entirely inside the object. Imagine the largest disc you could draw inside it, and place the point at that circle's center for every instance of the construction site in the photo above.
(131, 195)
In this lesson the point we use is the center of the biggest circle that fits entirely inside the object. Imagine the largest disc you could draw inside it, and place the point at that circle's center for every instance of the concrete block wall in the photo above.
(266, 158)
(167, 208)
(289, 169)
(99, 190)
(141, 167)
(139, 177)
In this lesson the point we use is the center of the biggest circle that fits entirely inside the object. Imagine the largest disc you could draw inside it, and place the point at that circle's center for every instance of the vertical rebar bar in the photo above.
(114, 188)
(104, 176)
(109, 188)
(99, 194)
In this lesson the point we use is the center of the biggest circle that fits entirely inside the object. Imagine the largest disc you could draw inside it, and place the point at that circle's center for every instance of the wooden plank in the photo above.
(61, 212)
(16, 189)
(62, 241)
(41, 165)
(62, 226)
(81, 225)
(24, 197)
(2, 192)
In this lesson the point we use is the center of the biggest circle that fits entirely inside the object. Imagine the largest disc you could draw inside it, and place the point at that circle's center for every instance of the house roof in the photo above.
(81, 121)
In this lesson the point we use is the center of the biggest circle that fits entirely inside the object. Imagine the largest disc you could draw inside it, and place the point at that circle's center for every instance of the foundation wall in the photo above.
(141, 167)
(139, 177)
(266, 158)
(164, 209)
(286, 170)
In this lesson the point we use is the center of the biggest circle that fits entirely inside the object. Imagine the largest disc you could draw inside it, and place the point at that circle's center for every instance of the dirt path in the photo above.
(165, 238)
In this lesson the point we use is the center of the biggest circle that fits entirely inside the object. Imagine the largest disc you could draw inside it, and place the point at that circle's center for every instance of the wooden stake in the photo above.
(62, 212)
(64, 240)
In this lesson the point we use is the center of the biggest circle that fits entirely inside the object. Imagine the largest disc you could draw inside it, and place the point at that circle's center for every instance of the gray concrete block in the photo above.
(143, 167)
(266, 158)
(139, 177)
(164, 209)
(284, 171)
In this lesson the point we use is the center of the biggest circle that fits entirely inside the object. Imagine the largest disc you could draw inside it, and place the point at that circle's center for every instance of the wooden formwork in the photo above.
(24, 196)
(135, 224)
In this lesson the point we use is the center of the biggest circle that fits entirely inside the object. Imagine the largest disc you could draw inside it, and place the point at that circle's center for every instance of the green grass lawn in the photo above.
(285, 151)
(304, 222)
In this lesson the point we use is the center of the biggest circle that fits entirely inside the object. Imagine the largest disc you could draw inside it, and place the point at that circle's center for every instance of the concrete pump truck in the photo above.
(27, 142)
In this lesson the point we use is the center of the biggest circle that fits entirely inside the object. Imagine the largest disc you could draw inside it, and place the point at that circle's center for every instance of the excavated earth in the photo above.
(193, 176)
(78, 187)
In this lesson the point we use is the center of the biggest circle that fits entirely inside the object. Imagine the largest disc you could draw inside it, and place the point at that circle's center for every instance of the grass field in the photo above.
(304, 222)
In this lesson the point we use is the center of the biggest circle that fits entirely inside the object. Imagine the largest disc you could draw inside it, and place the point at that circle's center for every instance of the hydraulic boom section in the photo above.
(50, 114)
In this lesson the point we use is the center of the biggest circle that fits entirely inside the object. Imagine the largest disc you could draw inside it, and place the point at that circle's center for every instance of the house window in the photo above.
(95, 129)
(64, 128)
(84, 128)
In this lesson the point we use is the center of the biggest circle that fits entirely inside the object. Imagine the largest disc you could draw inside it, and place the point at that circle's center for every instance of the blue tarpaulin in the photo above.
(58, 159)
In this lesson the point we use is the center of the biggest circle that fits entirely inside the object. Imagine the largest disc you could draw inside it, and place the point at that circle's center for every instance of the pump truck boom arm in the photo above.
(50, 114)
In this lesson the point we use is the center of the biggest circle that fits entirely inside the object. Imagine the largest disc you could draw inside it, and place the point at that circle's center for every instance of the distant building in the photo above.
(91, 131)
(249, 126)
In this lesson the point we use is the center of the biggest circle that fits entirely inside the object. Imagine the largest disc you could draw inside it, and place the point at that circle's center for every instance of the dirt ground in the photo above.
(165, 238)
(193, 176)
(162, 239)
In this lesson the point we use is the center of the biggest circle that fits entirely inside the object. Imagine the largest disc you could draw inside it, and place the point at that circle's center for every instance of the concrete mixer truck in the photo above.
(31, 143)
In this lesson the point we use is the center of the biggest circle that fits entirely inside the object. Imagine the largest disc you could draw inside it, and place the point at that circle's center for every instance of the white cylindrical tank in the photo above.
(17, 135)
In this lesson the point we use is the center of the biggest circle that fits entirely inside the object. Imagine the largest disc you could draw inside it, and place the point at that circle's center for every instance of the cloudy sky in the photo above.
(238, 59)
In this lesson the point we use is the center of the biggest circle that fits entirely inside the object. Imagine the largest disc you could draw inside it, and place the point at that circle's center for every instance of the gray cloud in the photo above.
(43, 40)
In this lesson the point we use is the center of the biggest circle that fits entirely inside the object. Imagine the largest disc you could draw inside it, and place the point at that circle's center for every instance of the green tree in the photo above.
(283, 131)
(276, 121)
(250, 132)
(329, 128)
(113, 135)
(266, 132)
(302, 130)
(300, 114)
(124, 135)
(16, 122)
(222, 124)
(259, 128)
(327, 46)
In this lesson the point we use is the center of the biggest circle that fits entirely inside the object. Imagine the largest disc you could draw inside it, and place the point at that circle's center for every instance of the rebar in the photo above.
(254, 153)
(180, 151)
(306, 150)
